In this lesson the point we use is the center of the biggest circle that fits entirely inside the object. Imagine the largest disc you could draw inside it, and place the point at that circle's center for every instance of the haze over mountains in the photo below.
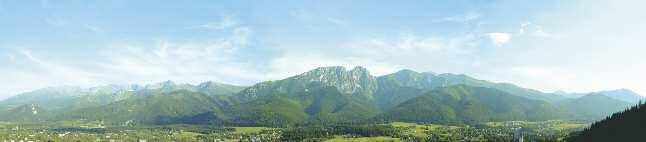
(322, 95)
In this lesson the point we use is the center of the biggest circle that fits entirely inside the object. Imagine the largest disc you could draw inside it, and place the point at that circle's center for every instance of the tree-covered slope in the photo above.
(322, 95)
(400, 86)
(323, 104)
(69, 98)
(24, 113)
(622, 126)
(272, 110)
(448, 79)
(218, 89)
(465, 104)
(159, 108)
(50, 98)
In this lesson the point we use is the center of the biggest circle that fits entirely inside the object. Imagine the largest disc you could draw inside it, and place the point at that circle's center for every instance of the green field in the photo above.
(396, 131)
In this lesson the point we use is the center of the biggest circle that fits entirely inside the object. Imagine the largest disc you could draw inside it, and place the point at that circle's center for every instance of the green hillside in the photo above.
(315, 105)
(52, 98)
(400, 86)
(159, 108)
(465, 104)
(24, 113)
(326, 95)
(593, 106)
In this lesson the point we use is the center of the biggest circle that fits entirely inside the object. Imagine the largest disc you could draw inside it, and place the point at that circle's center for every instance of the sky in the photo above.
(549, 45)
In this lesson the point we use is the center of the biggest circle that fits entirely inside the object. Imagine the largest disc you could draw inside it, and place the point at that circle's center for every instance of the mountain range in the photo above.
(322, 95)
(619, 94)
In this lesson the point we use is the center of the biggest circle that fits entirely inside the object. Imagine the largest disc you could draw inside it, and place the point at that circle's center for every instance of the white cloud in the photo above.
(218, 59)
(464, 18)
(226, 22)
(30, 71)
(499, 39)
(383, 55)
(60, 72)
(535, 30)
(541, 33)
(11, 57)
(184, 62)
(523, 27)
(410, 44)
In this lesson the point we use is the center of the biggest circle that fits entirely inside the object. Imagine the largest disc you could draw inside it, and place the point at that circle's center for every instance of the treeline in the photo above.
(319, 133)
(627, 125)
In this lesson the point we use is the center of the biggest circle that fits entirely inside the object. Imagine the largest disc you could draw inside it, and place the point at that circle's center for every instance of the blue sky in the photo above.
(549, 45)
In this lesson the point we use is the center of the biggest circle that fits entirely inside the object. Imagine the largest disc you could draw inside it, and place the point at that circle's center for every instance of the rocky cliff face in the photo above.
(357, 80)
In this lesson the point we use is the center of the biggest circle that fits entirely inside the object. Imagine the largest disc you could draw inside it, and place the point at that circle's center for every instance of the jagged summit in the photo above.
(360, 69)
(332, 69)
(347, 81)
(160, 85)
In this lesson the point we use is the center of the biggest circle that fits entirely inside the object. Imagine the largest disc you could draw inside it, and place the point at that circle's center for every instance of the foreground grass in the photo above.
(249, 130)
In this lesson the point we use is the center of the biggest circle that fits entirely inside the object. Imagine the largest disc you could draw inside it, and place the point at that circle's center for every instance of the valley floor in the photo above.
(554, 130)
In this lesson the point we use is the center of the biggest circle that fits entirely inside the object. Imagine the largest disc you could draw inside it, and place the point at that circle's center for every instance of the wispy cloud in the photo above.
(188, 61)
(535, 30)
(229, 49)
(60, 72)
(463, 18)
(383, 55)
(226, 22)
(499, 39)
(29, 71)
(523, 27)
(218, 59)
(12, 57)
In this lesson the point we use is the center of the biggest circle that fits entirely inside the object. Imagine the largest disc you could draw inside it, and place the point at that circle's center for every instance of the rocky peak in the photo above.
(347, 81)
(165, 84)
(207, 84)
(360, 70)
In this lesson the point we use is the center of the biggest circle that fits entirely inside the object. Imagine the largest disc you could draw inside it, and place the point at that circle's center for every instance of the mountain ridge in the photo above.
(322, 95)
